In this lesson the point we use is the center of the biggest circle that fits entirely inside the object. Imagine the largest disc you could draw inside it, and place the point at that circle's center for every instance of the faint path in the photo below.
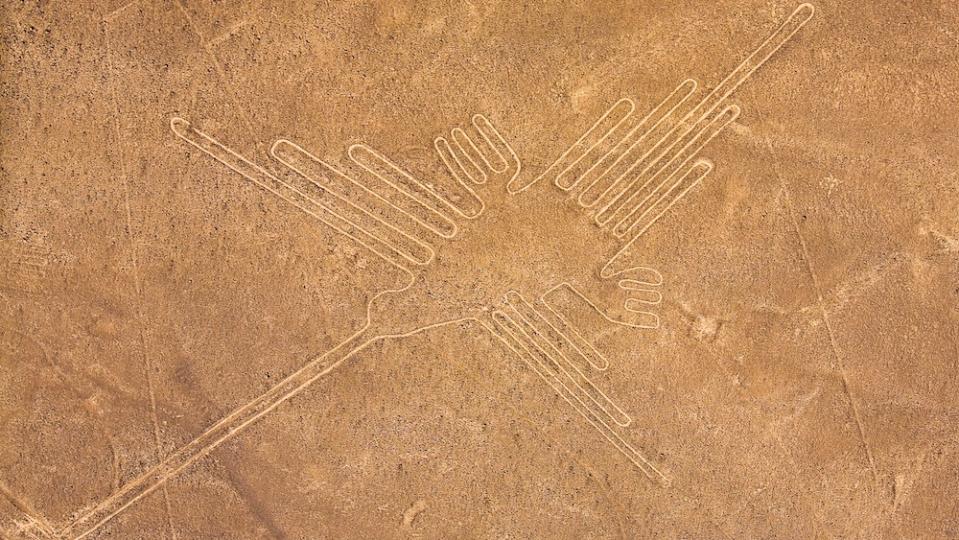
(134, 261)
(207, 47)
(814, 278)
(32, 522)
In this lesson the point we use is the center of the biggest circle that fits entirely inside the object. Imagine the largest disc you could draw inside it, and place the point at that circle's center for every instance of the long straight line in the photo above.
(814, 278)
(135, 265)
(27, 511)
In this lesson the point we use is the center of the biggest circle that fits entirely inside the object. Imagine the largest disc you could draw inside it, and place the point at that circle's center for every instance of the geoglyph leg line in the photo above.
(506, 329)
(651, 323)
(555, 347)
(590, 356)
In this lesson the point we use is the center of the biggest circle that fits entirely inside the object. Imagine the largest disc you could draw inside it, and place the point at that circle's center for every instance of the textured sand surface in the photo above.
(398, 269)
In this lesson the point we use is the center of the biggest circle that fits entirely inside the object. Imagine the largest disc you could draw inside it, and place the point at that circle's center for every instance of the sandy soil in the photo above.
(362, 269)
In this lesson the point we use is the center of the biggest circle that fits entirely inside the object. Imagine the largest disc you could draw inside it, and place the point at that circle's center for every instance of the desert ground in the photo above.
(466, 269)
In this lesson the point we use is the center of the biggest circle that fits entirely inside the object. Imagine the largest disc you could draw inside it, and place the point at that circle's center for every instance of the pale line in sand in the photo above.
(814, 278)
(515, 188)
(424, 194)
(226, 428)
(622, 186)
(176, 463)
(551, 346)
(31, 518)
(521, 344)
(220, 72)
(110, 17)
(576, 387)
(375, 201)
(799, 17)
(215, 41)
(668, 191)
(550, 339)
(739, 75)
(144, 355)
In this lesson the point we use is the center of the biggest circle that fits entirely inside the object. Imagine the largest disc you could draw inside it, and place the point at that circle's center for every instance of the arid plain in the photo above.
(392, 269)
